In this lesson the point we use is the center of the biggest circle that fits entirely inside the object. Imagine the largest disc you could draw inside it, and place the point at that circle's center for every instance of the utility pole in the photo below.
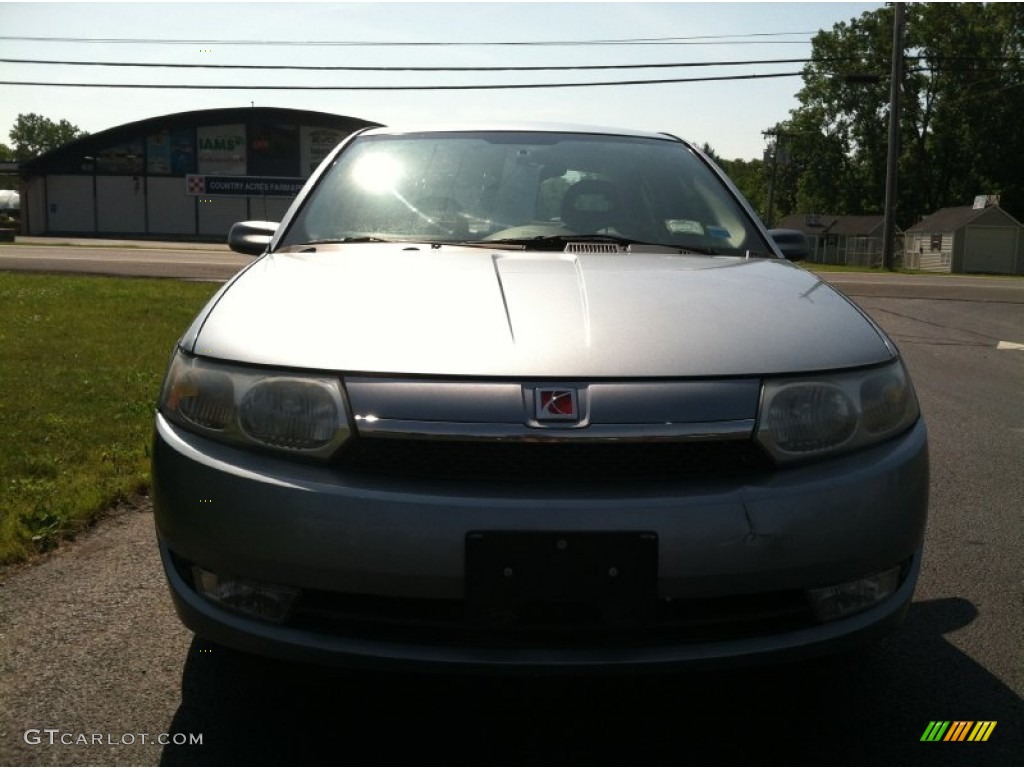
(776, 146)
(895, 89)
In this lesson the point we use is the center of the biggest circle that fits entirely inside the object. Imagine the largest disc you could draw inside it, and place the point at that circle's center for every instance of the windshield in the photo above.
(523, 187)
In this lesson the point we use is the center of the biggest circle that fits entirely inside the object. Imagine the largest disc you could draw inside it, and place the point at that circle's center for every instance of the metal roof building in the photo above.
(849, 240)
(189, 175)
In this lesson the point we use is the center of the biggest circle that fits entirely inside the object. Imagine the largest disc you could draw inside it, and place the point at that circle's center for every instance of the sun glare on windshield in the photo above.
(377, 173)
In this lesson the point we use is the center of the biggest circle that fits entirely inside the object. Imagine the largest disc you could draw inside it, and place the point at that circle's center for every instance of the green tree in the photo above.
(961, 134)
(751, 178)
(708, 150)
(7, 180)
(969, 138)
(33, 135)
(748, 176)
(838, 136)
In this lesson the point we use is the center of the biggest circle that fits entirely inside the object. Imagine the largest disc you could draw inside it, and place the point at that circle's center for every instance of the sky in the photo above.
(729, 115)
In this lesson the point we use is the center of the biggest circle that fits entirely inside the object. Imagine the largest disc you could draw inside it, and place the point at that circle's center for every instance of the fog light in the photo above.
(270, 602)
(839, 600)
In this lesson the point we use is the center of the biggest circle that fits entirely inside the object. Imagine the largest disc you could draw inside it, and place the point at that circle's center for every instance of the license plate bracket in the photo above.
(523, 578)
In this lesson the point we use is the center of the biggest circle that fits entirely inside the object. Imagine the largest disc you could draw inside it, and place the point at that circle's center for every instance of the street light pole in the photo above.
(895, 88)
(777, 137)
(771, 181)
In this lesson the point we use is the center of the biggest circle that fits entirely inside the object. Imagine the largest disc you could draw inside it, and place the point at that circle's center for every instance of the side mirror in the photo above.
(792, 242)
(251, 237)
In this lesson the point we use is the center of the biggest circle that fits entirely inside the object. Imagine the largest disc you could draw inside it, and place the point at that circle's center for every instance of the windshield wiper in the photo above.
(556, 240)
(309, 246)
(511, 244)
(337, 240)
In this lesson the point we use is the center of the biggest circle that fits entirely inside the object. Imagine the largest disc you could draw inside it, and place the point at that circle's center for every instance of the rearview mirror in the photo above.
(792, 242)
(251, 237)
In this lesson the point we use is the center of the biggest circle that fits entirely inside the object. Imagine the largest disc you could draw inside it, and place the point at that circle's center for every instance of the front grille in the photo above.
(446, 622)
(543, 463)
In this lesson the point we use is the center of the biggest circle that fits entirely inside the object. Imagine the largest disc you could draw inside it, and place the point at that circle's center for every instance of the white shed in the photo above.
(967, 239)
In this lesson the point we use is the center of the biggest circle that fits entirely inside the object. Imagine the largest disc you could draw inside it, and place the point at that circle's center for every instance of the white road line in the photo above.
(1009, 345)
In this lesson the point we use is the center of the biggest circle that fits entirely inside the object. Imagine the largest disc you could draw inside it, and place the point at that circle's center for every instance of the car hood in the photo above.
(459, 311)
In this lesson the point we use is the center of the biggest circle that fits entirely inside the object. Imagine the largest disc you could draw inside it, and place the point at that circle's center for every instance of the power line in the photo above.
(930, 65)
(517, 86)
(692, 40)
(420, 69)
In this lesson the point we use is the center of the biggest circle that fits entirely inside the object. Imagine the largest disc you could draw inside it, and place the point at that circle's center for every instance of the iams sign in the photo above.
(221, 143)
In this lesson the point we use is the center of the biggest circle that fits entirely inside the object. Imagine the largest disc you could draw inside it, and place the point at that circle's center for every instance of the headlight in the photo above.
(813, 416)
(296, 413)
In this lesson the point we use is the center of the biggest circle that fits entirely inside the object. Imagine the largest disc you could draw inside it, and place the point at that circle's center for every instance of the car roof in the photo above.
(521, 126)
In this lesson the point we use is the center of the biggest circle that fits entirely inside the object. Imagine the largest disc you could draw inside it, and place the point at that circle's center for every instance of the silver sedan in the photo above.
(527, 398)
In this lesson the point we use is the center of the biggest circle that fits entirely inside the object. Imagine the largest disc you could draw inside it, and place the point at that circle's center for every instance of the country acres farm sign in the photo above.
(244, 186)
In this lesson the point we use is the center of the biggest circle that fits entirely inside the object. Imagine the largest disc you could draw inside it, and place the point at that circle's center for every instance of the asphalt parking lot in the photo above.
(91, 646)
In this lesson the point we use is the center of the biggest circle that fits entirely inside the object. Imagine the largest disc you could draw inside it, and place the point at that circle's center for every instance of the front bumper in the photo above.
(311, 527)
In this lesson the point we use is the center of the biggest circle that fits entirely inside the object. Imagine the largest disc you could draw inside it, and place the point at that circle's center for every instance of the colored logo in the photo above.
(556, 405)
(958, 730)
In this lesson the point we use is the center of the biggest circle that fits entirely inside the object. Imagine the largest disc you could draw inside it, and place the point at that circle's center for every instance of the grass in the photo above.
(81, 361)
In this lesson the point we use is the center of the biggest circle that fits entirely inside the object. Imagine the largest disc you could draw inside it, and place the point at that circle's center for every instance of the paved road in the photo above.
(952, 287)
(205, 261)
(194, 262)
(91, 645)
